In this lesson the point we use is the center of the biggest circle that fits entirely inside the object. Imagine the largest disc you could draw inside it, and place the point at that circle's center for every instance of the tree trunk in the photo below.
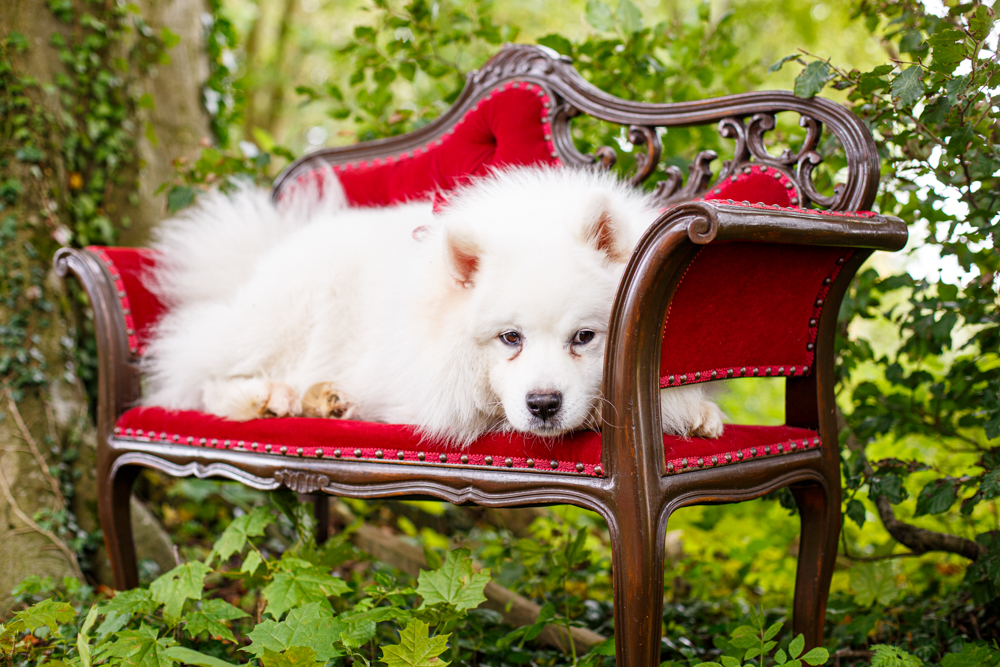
(47, 438)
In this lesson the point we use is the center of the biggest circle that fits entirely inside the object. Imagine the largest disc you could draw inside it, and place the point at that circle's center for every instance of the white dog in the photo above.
(490, 315)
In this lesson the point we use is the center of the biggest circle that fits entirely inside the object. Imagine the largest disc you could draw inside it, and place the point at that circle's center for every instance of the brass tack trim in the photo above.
(336, 453)
(599, 471)
(319, 453)
(298, 451)
(464, 459)
(579, 467)
(421, 456)
(283, 450)
(400, 455)
(443, 458)
(508, 462)
(357, 453)
(378, 453)
(553, 464)
(530, 463)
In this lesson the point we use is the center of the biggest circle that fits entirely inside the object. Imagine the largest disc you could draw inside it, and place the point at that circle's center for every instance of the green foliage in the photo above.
(173, 621)
(757, 642)
(416, 648)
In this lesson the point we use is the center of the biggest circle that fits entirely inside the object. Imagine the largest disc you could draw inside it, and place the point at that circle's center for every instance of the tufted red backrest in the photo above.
(508, 126)
(756, 184)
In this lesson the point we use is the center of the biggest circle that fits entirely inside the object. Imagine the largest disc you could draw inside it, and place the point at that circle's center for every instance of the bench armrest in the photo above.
(650, 287)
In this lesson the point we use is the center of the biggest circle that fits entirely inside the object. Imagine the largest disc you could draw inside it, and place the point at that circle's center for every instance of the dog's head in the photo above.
(538, 255)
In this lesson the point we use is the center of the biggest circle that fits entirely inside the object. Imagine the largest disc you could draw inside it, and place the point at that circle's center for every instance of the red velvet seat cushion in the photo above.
(577, 453)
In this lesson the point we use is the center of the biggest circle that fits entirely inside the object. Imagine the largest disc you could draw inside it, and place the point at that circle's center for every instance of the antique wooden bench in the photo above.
(741, 273)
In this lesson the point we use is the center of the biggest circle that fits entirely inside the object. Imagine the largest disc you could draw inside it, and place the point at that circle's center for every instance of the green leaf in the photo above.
(729, 661)
(890, 656)
(297, 656)
(312, 625)
(936, 497)
(184, 582)
(781, 657)
(599, 16)
(873, 582)
(83, 638)
(453, 583)
(210, 619)
(772, 631)
(48, 613)
(972, 655)
(251, 563)
(856, 511)
(812, 79)
(796, 646)
(180, 196)
(990, 484)
(781, 63)
(170, 38)
(141, 648)
(907, 86)
(17, 41)
(300, 583)
(236, 534)
(187, 656)
(416, 648)
(947, 49)
(816, 656)
(557, 43)
(629, 17)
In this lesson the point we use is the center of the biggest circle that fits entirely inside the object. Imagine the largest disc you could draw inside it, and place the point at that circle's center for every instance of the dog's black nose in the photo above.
(544, 405)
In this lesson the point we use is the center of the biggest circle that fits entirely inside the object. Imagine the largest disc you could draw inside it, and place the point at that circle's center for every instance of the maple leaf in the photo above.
(136, 600)
(210, 617)
(297, 656)
(312, 626)
(141, 648)
(416, 648)
(184, 582)
(300, 583)
(236, 534)
(47, 613)
(453, 583)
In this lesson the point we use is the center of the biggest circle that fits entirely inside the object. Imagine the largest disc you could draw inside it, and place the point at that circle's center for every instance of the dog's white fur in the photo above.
(312, 300)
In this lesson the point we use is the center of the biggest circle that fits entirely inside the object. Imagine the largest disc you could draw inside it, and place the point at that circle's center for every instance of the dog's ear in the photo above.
(603, 227)
(462, 253)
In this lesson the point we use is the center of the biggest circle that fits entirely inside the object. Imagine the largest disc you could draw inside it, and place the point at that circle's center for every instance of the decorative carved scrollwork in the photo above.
(669, 190)
(645, 163)
(301, 482)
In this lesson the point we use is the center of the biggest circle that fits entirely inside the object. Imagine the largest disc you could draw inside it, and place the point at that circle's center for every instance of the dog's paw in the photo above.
(707, 420)
(325, 401)
(281, 401)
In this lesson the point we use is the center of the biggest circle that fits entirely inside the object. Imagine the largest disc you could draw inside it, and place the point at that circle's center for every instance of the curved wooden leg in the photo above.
(114, 493)
(321, 510)
(819, 509)
(637, 561)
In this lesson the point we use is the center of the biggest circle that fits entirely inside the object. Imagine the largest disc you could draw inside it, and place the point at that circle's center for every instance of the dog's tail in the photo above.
(208, 251)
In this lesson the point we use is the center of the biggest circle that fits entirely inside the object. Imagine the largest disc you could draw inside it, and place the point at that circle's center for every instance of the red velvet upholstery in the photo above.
(746, 309)
(757, 184)
(140, 306)
(577, 453)
(509, 126)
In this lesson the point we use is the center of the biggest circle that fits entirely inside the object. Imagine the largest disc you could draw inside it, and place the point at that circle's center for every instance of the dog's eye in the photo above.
(511, 338)
(583, 336)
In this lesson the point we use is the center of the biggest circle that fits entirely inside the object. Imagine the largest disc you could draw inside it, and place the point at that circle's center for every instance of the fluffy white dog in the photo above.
(489, 315)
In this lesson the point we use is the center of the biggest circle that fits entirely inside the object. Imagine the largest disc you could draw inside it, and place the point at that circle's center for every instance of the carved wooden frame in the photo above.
(635, 494)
